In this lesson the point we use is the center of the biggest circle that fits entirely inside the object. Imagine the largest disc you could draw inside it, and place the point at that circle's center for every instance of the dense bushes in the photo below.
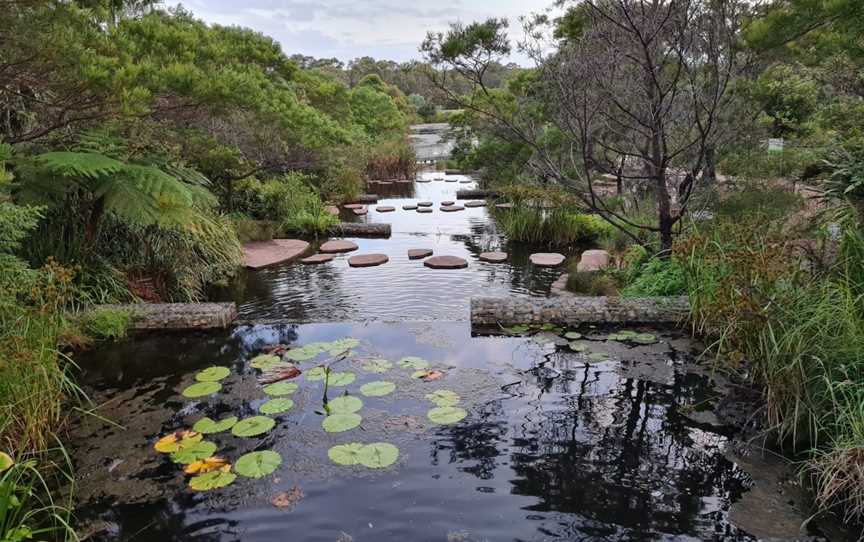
(289, 200)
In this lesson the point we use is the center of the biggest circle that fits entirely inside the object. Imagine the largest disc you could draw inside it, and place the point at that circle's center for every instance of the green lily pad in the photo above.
(212, 374)
(302, 354)
(315, 373)
(265, 362)
(578, 347)
(207, 425)
(337, 423)
(345, 454)
(212, 480)
(645, 338)
(281, 388)
(377, 366)
(378, 455)
(201, 389)
(598, 356)
(276, 406)
(379, 388)
(194, 452)
(446, 415)
(341, 345)
(413, 362)
(341, 379)
(572, 335)
(519, 329)
(443, 398)
(344, 404)
(258, 464)
(6, 461)
(254, 426)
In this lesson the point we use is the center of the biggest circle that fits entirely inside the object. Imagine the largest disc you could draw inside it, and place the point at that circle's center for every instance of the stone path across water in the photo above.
(266, 253)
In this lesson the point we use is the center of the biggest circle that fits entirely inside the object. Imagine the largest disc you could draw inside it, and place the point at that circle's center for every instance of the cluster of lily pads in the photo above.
(210, 471)
(573, 338)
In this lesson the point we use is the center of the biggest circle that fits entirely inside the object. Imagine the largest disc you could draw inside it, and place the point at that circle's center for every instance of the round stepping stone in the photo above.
(452, 208)
(367, 260)
(425, 204)
(466, 181)
(493, 257)
(439, 178)
(336, 246)
(476, 203)
(385, 209)
(419, 253)
(445, 262)
(360, 212)
(424, 180)
(410, 207)
(424, 209)
(452, 180)
(317, 259)
(353, 206)
(504, 205)
(448, 202)
(547, 259)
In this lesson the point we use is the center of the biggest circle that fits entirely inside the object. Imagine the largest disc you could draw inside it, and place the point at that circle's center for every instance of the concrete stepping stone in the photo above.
(424, 209)
(425, 204)
(466, 181)
(317, 259)
(493, 257)
(337, 246)
(448, 202)
(354, 206)
(445, 262)
(452, 208)
(547, 259)
(410, 207)
(452, 180)
(385, 209)
(368, 260)
(475, 203)
(438, 179)
(419, 253)
(593, 260)
(424, 180)
(361, 212)
(264, 253)
(504, 205)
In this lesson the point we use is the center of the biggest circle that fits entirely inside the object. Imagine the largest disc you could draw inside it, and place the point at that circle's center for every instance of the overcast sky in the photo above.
(346, 29)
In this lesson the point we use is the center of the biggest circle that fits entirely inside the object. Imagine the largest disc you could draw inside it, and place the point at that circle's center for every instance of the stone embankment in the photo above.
(579, 310)
(476, 194)
(178, 316)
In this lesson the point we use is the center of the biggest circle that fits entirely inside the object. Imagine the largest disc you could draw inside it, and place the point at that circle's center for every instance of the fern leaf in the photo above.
(78, 164)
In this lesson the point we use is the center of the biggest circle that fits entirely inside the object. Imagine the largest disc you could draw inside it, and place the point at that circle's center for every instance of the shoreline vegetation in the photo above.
(137, 143)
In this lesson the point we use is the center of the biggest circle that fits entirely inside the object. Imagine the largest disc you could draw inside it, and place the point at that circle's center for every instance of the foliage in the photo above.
(27, 509)
(592, 283)
(106, 324)
(656, 277)
(288, 200)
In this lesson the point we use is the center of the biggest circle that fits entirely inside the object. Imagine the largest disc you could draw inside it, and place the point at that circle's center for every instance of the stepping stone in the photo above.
(425, 204)
(419, 253)
(405, 181)
(424, 180)
(361, 212)
(547, 259)
(439, 178)
(385, 182)
(448, 202)
(410, 207)
(466, 181)
(452, 208)
(258, 255)
(317, 259)
(353, 206)
(445, 262)
(336, 246)
(504, 205)
(424, 209)
(385, 209)
(593, 260)
(452, 180)
(367, 260)
(493, 257)
(332, 209)
(475, 203)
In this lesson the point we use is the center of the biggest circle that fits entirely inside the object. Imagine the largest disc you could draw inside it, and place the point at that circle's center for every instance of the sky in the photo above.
(347, 29)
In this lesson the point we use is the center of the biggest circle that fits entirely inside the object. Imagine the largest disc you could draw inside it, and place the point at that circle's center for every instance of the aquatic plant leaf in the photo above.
(276, 406)
(315, 373)
(265, 361)
(341, 379)
(194, 452)
(341, 345)
(175, 441)
(201, 389)
(254, 426)
(598, 356)
(379, 388)
(337, 423)
(413, 362)
(212, 374)
(578, 347)
(208, 465)
(377, 366)
(420, 374)
(281, 388)
(212, 480)
(208, 426)
(519, 329)
(344, 404)
(6, 461)
(572, 335)
(645, 338)
(345, 454)
(378, 455)
(302, 354)
(258, 464)
(443, 398)
(446, 415)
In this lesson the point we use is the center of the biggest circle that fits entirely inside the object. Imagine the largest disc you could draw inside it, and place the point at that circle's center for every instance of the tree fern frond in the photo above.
(78, 164)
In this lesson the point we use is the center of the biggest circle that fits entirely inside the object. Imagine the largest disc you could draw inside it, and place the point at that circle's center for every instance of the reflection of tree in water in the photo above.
(480, 439)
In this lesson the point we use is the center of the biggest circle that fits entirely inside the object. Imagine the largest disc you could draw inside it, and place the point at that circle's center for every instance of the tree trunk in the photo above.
(710, 173)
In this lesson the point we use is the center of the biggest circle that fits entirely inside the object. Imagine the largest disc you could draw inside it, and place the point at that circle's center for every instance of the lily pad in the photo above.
(378, 455)
(176, 441)
(344, 404)
(519, 329)
(377, 366)
(254, 426)
(446, 415)
(345, 454)
(208, 465)
(337, 423)
(208, 426)
(341, 345)
(281, 388)
(194, 452)
(413, 362)
(276, 406)
(6, 461)
(598, 356)
(379, 388)
(341, 379)
(645, 338)
(258, 464)
(212, 374)
(302, 354)
(201, 389)
(265, 362)
(572, 335)
(212, 480)
(578, 347)
(443, 398)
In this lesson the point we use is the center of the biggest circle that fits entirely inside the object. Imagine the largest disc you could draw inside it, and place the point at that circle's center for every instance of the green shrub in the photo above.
(289, 200)
(593, 283)
(104, 324)
(656, 277)
(771, 203)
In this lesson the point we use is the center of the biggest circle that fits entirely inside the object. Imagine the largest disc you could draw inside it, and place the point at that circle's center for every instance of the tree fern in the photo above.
(86, 165)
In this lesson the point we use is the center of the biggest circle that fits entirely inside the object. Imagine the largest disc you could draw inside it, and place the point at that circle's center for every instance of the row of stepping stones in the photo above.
(420, 207)
(449, 180)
